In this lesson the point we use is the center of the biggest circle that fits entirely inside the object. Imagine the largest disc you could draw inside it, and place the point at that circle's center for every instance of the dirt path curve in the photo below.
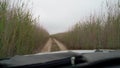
(60, 45)
(47, 47)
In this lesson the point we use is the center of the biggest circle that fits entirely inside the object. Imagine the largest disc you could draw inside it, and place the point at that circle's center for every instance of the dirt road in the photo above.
(48, 45)
(60, 45)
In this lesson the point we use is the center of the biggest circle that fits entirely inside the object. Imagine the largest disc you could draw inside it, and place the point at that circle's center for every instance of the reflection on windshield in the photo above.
(21, 33)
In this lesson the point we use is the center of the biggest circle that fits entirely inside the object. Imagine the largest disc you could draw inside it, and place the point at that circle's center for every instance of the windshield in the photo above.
(42, 26)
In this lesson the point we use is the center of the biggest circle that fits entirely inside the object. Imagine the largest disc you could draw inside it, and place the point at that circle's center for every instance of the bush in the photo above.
(96, 32)
(18, 31)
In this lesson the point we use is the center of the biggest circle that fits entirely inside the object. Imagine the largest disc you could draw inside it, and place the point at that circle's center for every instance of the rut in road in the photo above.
(60, 45)
(49, 45)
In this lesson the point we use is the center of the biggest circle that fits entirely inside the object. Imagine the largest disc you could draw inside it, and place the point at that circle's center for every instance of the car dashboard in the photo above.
(68, 59)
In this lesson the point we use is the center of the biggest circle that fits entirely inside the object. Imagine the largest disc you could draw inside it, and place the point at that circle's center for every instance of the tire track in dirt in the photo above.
(47, 47)
(60, 45)
(49, 44)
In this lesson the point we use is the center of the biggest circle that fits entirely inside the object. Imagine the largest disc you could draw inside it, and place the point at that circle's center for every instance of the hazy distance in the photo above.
(59, 15)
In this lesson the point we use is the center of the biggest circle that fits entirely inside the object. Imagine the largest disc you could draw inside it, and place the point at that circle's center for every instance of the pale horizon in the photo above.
(58, 16)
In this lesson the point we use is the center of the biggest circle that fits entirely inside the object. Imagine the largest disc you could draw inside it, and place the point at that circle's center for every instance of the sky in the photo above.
(59, 15)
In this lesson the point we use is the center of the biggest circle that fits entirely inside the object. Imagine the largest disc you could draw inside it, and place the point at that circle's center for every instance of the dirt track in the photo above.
(60, 45)
(48, 45)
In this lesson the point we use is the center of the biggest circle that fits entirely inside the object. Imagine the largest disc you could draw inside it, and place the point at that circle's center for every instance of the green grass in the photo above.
(19, 32)
(95, 32)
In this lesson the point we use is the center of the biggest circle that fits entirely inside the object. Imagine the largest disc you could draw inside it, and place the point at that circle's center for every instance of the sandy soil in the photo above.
(48, 45)
(60, 45)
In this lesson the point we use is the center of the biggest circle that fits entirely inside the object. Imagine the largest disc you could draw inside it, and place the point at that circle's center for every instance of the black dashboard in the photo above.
(64, 60)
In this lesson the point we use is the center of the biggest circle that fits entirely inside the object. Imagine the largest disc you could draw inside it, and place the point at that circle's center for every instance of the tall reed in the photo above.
(95, 32)
(19, 32)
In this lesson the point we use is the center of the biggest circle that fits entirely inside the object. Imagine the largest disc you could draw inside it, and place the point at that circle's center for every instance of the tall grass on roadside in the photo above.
(18, 31)
(96, 32)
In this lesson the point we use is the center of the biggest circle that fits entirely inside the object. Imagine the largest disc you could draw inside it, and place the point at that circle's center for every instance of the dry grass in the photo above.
(18, 31)
(96, 32)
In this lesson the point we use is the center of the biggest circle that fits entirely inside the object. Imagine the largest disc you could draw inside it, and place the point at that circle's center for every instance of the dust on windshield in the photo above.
(42, 26)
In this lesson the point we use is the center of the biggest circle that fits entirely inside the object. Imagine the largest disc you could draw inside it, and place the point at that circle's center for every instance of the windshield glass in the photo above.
(42, 26)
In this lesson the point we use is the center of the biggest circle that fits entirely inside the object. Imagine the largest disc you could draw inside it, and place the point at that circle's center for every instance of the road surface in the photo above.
(48, 45)
(60, 45)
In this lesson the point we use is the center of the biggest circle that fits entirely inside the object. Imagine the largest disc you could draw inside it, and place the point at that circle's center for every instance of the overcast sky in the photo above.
(59, 15)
